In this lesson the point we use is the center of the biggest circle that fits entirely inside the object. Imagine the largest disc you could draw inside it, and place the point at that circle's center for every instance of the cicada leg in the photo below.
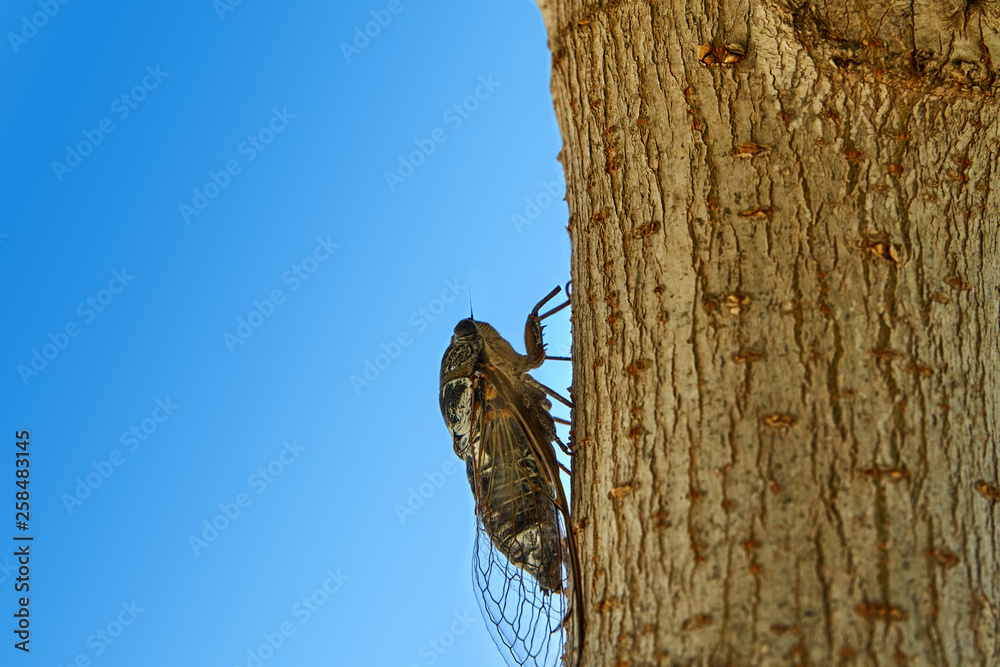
(569, 298)
(551, 392)
(567, 449)
(533, 343)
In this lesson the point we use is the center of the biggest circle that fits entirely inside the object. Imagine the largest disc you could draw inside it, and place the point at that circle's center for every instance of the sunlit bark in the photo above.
(784, 222)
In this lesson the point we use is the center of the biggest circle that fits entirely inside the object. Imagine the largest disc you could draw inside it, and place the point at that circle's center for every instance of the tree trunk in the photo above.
(785, 305)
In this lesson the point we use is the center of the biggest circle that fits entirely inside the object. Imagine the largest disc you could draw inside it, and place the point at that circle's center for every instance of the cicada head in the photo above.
(457, 392)
(461, 355)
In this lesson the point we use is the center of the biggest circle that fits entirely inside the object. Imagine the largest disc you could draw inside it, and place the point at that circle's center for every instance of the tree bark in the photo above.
(784, 225)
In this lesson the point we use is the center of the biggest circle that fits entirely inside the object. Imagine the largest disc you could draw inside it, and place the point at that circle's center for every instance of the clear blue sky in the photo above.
(201, 246)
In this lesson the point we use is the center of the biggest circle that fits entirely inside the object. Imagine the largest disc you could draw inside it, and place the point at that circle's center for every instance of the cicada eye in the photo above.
(465, 328)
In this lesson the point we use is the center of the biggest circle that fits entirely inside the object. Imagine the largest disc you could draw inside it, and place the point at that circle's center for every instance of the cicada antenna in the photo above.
(471, 315)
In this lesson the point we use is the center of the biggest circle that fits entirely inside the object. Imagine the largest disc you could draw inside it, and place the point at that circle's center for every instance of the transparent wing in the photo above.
(526, 622)
(519, 561)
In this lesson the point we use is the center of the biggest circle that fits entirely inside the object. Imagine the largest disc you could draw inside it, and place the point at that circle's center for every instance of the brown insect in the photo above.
(524, 560)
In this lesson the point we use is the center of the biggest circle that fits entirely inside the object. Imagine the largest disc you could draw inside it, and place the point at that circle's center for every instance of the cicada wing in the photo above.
(526, 622)
(519, 560)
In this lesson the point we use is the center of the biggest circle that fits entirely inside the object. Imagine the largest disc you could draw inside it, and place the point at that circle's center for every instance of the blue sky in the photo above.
(214, 216)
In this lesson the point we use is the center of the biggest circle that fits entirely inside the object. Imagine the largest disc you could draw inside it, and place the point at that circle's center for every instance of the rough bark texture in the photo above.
(786, 329)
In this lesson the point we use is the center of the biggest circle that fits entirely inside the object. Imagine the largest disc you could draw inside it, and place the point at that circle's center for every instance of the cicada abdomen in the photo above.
(514, 503)
(519, 564)
(501, 427)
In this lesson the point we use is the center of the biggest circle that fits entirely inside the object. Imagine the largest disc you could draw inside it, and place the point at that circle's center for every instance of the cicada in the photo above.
(524, 560)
